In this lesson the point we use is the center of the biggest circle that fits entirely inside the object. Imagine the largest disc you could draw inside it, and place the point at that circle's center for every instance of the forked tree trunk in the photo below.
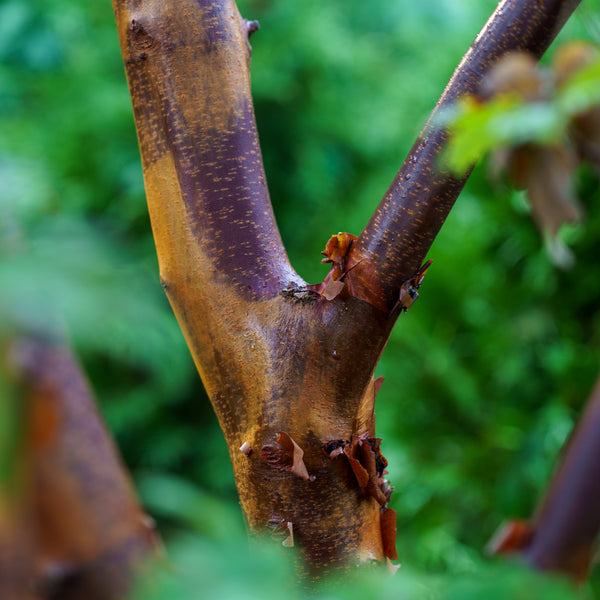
(287, 369)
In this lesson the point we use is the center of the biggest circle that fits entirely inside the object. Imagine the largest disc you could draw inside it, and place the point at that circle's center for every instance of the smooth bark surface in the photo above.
(289, 373)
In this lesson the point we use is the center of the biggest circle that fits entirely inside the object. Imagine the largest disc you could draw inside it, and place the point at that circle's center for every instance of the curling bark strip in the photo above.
(86, 531)
(398, 236)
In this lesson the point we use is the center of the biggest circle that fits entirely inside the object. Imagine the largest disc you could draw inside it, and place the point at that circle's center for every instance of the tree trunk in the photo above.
(288, 367)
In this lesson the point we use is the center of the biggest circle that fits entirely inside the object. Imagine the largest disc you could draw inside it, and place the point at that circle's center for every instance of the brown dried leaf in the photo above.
(546, 174)
(549, 190)
(515, 73)
(584, 131)
(570, 58)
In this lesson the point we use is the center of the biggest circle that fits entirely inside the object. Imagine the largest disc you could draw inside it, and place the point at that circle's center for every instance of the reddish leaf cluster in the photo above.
(336, 250)
(362, 284)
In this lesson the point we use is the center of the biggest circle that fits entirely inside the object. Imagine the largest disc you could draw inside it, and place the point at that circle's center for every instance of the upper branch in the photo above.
(395, 241)
(187, 67)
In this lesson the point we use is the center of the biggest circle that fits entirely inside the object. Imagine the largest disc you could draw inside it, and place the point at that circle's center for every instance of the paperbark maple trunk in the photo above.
(288, 371)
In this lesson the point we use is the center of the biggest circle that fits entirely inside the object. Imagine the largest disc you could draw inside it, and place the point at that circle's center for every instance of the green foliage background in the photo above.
(484, 377)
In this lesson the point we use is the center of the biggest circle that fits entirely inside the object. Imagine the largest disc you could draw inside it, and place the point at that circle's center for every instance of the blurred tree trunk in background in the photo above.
(70, 522)
(288, 367)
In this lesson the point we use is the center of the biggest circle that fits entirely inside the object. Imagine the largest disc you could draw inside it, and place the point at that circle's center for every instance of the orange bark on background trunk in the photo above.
(561, 537)
(70, 525)
(289, 370)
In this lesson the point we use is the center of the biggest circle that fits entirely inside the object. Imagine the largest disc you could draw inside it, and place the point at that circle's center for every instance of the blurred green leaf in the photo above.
(582, 90)
(173, 497)
(477, 128)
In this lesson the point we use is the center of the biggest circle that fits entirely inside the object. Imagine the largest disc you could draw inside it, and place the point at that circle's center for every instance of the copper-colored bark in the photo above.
(83, 530)
(279, 361)
(271, 362)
